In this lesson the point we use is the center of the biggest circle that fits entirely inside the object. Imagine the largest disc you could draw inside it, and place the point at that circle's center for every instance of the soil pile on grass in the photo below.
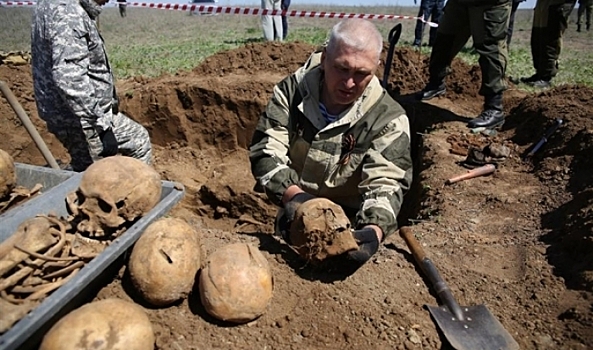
(518, 241)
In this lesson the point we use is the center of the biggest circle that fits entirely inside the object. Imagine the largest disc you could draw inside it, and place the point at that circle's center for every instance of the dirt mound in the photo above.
(409, 74)
(518, 241)
(255, 58)
(565, 162)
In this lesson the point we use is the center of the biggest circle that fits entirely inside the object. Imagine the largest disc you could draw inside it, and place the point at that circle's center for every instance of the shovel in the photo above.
(393, 37)
(465, 327)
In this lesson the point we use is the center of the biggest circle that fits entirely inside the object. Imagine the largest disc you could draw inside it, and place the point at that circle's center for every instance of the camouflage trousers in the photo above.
(487, 25)
(84, 145)
(550, 20)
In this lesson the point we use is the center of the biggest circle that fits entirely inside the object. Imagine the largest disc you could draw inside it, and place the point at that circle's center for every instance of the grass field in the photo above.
(152, 42)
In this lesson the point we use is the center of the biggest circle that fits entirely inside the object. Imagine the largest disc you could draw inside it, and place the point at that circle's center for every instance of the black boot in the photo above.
(432, 90)
(489, 119)
(492, 116)
(578, 28)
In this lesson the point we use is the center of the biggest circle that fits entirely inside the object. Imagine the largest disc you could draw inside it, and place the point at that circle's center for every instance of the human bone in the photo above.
(107, 324)
(165, 260)
(114, 191)
(236, 283)
(320, 230)
(7, 174)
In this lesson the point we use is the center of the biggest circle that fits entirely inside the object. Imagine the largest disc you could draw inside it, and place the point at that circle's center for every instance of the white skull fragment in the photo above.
(114, 191)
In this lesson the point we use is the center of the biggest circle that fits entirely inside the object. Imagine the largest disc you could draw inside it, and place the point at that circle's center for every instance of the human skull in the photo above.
(7, 174)
(114, 191)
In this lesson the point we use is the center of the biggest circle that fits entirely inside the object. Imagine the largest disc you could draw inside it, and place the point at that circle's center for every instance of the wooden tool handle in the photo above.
(430, 270)
(413, 244)
(483, 170)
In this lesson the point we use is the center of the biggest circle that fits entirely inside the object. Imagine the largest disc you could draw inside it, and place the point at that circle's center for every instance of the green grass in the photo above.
(152, 42)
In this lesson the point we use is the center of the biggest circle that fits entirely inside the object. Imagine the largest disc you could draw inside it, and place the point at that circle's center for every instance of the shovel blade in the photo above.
(479, 331)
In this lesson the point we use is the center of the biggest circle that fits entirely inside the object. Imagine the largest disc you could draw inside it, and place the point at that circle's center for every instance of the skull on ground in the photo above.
(114, 191)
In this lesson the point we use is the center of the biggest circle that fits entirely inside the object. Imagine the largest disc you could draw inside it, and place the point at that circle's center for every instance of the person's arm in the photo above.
(70, 54)
(269, 148)
(386, 175)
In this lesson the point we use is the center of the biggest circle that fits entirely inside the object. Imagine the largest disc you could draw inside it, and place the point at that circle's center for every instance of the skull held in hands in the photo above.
(321, 230)
(112, 192)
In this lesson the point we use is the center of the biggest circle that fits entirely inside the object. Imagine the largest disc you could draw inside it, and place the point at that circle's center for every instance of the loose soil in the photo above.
(519, 241)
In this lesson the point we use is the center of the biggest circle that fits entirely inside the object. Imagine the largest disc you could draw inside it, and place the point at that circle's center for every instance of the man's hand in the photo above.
(368, 244)
(285, 216)
(294, 203)
(110, 145)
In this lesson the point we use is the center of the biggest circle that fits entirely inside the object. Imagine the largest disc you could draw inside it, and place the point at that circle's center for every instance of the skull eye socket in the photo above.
(120, 204)
(104, 206)
(80, 198)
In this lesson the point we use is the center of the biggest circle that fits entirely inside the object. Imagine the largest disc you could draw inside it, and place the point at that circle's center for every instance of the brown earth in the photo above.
(519, 241)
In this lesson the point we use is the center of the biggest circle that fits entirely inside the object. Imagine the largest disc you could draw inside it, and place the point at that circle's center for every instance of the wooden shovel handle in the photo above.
(483, 170)
(431, 272)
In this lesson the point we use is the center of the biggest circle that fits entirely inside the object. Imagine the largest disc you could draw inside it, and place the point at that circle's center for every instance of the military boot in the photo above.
(578, 28)
(492, 116)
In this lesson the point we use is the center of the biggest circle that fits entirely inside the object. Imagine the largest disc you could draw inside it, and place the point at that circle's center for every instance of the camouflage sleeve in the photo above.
(386, 176)
(269, 146)
(70, 53)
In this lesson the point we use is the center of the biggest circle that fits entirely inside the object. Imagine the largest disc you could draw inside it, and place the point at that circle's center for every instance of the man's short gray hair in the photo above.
(359, 34)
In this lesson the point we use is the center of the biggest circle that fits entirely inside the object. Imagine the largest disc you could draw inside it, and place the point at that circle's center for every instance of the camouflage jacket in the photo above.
(71, 74)
(361, 161)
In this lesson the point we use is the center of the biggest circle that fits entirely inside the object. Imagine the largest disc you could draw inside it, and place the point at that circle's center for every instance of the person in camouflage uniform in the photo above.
(330, 130)
(550, 20)
(74, 85)
(486, 21)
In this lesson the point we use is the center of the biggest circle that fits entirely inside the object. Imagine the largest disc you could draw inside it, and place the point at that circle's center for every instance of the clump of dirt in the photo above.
(518, 240)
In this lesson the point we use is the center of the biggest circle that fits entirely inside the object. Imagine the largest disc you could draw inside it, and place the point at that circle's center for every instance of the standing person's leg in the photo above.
(284, 26)
(554, 25)
(539, 31)
(435, 17)
(266, 20)
(277, 21)
(489, 27)
(70, 133)
(452, 34)
(419, 25)
(588, 10)
(580, 13)
(133, 139)
(514, 7)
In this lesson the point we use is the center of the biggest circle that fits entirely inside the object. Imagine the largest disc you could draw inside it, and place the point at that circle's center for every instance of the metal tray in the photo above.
(29, 175)
(31, 328)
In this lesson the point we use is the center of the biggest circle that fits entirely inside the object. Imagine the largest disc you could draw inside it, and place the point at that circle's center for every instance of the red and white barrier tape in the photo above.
(17, 3)
(249, 11)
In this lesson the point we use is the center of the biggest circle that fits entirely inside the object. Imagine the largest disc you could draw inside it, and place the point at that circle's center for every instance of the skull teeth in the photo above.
(90, 240)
